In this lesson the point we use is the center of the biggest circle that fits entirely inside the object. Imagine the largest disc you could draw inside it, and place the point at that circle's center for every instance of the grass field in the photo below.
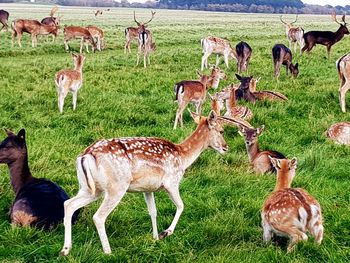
(222, 196)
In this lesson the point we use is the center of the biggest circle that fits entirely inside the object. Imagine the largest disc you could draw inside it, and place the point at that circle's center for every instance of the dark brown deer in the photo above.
(283, 56)
(4, 17)
(38, 202)
(294, 34)
(52, 21)
(243, 92)
(243, 53)
(325, 38)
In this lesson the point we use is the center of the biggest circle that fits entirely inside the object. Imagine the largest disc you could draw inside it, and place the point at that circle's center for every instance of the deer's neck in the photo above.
(214, 82)
(231, 101)
(283, 180)
(338, 35)
(252, 151)
(194, 145)
(19, 173)
(79, 67)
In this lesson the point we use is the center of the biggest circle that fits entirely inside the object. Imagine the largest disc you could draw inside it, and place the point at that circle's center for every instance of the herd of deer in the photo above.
(112, 167)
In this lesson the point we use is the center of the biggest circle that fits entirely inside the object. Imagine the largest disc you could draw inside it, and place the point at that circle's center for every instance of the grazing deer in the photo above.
(73, 32)
(325, 38)
(244, 52)
(195, 91)
(283, 56)
(340, 133)
(98, 36)
(145, 43)
(343, 67)
(217, 46)
(4, 17)
(38, 202)
(258, 159)
(290, 211)
(53, 21)
(294, 34)
(70, 81)
(33, 27)
(119, 165)
(265, 94)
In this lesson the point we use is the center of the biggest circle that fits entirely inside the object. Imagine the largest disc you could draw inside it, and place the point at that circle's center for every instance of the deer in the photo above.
(73, 32)
(38, 202)
(259, 160)
(145, 42)
(294, 34)
(219, 47)
(290, 212)
(339, 133)
(194, 91)
(244, 52)
(325, 38)
(67, 80)
(112, 167)
(33, 27)
(52, 21)
(343, 67)
(282, 55)
(4, 17)
(98, 36)
(265, 94)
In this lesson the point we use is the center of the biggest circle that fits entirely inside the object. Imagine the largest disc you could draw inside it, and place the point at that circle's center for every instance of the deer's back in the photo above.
(340, 133)
(262, 163)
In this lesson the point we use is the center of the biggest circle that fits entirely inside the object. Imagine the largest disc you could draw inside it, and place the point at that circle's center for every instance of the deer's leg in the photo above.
(66, 47)
(179, 113)
(14, 34)
(317, 229)
(82, 41)
(152, 210)
(174, 194)
(19, 38)
(217, 60)
(61, 97)
(226, 60)
(199, 108)
(329, 51)
(82, 199)
(277, 69)
(145, 59)
(75, 97)
(267, 234)
(342, 92)
(33, 40)
(204, 61)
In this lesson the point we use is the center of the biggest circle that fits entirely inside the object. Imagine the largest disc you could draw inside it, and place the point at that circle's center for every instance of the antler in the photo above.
(53, 11)
(282, 20)
(153, 13)
(235, 121)
(296, 18)
(343, 19)
(138, 23)
(334, 18)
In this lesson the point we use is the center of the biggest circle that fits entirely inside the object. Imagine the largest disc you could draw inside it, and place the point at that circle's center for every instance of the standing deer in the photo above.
(195, 91)
(98, 36)
(138, 164)
(73, 32)
(33, 27)
(290, 211)
(4, 17)
(343, 67)
(294, 34)
(325, 38)
(70, 81)
(258, 159)
(53, 21)
(283, 56)
(217, 46)
(340, 132)
(244, 52)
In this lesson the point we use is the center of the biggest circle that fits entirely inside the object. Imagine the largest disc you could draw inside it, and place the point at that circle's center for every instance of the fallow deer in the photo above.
(282, 55)
(33, 27)
(290, 212)
(4, 17)
(294, 34)
(343, 67)
(340, 133)
(73, 32)
(53, 21)
(325, 38)
(243, 92)
(98, 36)
(244, 52)
(70, 81)
(258, 159)
(195, 91)
(265, 94)
(219, 47)
(38, 201)
(138, 164)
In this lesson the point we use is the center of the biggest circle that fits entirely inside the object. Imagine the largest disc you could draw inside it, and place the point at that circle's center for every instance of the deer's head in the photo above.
(13, 147)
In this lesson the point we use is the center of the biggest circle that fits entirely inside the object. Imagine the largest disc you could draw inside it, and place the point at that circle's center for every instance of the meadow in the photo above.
(222, 196)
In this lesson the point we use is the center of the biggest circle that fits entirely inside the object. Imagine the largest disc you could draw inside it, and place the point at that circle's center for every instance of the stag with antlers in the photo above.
(53, 21)
(294, 34)
(325, 38)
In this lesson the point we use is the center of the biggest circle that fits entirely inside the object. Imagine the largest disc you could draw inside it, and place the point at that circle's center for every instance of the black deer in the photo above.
(38, 202)
(283, 56)
(244, 52)
(4, 17)
(243, 92)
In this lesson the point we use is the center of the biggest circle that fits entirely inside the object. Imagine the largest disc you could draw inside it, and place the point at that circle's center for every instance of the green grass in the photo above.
(222, 196)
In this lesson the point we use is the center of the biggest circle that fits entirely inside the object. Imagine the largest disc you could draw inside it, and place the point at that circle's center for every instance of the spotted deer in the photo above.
(283, 56)
(340, 133)
(138, 164)
(258, 159)
(219, 47)
(244, 53)
(290, 212)
(194, 91)
(343, 67)
(74, 32)
(98, 36)
(67, 80)
(294, 34)
(265, 94)
(4, 17)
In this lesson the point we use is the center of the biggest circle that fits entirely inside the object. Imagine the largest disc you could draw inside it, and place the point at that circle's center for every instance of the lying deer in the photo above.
(343, 67)
(325, 38)
(4, 17)
(243, 92)
(217, 46)
(283, 56)
(290, 211)
(195, 91)
(265, 94)
(73, 32)
(112, 167)
(98, 36)
(67, 80)
(244, 52)
(258, 159)
(294, 34)
(340, 133)
(38, 202)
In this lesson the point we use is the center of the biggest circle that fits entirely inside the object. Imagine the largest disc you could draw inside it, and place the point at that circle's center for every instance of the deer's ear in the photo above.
(212, 119)
(293, 163)
(275, 162)
(238, 77)
(260, 129)
(22, 135)
(9, 132)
